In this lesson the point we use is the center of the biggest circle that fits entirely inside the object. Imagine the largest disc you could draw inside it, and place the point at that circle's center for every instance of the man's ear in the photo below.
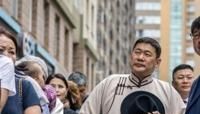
(158, 61)
(130, 59)
(173, 83)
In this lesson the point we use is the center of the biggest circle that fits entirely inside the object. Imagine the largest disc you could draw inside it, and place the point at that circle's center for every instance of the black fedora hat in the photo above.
(141, 102)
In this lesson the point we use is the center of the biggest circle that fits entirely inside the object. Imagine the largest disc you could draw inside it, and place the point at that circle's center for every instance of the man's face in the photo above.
(143, 60)
(83, 91)
(183, 80)
(196, 41)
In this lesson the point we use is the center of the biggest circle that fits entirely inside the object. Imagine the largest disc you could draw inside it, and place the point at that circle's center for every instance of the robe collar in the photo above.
(137, 82)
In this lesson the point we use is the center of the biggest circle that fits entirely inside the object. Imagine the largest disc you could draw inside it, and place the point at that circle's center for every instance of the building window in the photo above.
(118, 24)
(92, 21)
(105, 20)
(148, 20)
(99, 39)
(125, 59)
(34, 18)
(132, 20)
(92, 75)
(14, 8)
(117, 66)
(118, 4)
(104, 67)
(19, 13)
(111, 56)
(191, 8)
(126, 7)
(87, 13)
(147, 6)
(57, 36)
(111, 35)
(99, 15)
(153, 33)
(105, 3)
(111, 9)
(66, 48)
(148, 32)
(88, 66)
(104, 45)
(110, 72)
(117, 45)
(30, 17)
(130, 2)
(139, 33)
(46, 24)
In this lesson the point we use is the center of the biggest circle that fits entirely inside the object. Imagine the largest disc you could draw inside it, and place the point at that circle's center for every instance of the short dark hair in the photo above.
(150, 41)
(181, 67)
(79, 78)
(5, 32)
(195, 25)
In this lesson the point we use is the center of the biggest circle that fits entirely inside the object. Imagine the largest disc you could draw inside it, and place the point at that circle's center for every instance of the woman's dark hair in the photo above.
(69, 94)
(5, 32)
(150, 41)
(59, 76)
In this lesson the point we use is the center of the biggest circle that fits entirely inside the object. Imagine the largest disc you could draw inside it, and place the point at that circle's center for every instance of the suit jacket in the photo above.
(194, 98)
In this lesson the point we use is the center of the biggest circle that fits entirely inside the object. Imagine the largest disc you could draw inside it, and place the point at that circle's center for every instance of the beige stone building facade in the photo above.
(85, 51)
(62, 32)
(115, 36)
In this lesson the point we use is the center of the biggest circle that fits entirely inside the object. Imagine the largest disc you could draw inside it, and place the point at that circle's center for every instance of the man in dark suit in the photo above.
(194, 97)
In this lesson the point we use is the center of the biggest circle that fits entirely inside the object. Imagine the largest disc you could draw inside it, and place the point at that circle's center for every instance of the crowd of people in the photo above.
(28, 88)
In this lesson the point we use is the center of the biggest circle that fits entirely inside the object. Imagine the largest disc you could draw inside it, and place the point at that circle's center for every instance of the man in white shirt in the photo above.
(138, 92)
(7, 79)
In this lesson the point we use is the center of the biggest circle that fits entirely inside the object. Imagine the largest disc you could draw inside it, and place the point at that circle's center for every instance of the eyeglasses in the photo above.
(195, 35)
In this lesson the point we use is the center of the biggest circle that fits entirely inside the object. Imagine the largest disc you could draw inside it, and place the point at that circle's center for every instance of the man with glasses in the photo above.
(194, 97)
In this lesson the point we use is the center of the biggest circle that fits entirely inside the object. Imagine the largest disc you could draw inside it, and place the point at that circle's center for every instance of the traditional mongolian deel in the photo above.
(118, 92)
